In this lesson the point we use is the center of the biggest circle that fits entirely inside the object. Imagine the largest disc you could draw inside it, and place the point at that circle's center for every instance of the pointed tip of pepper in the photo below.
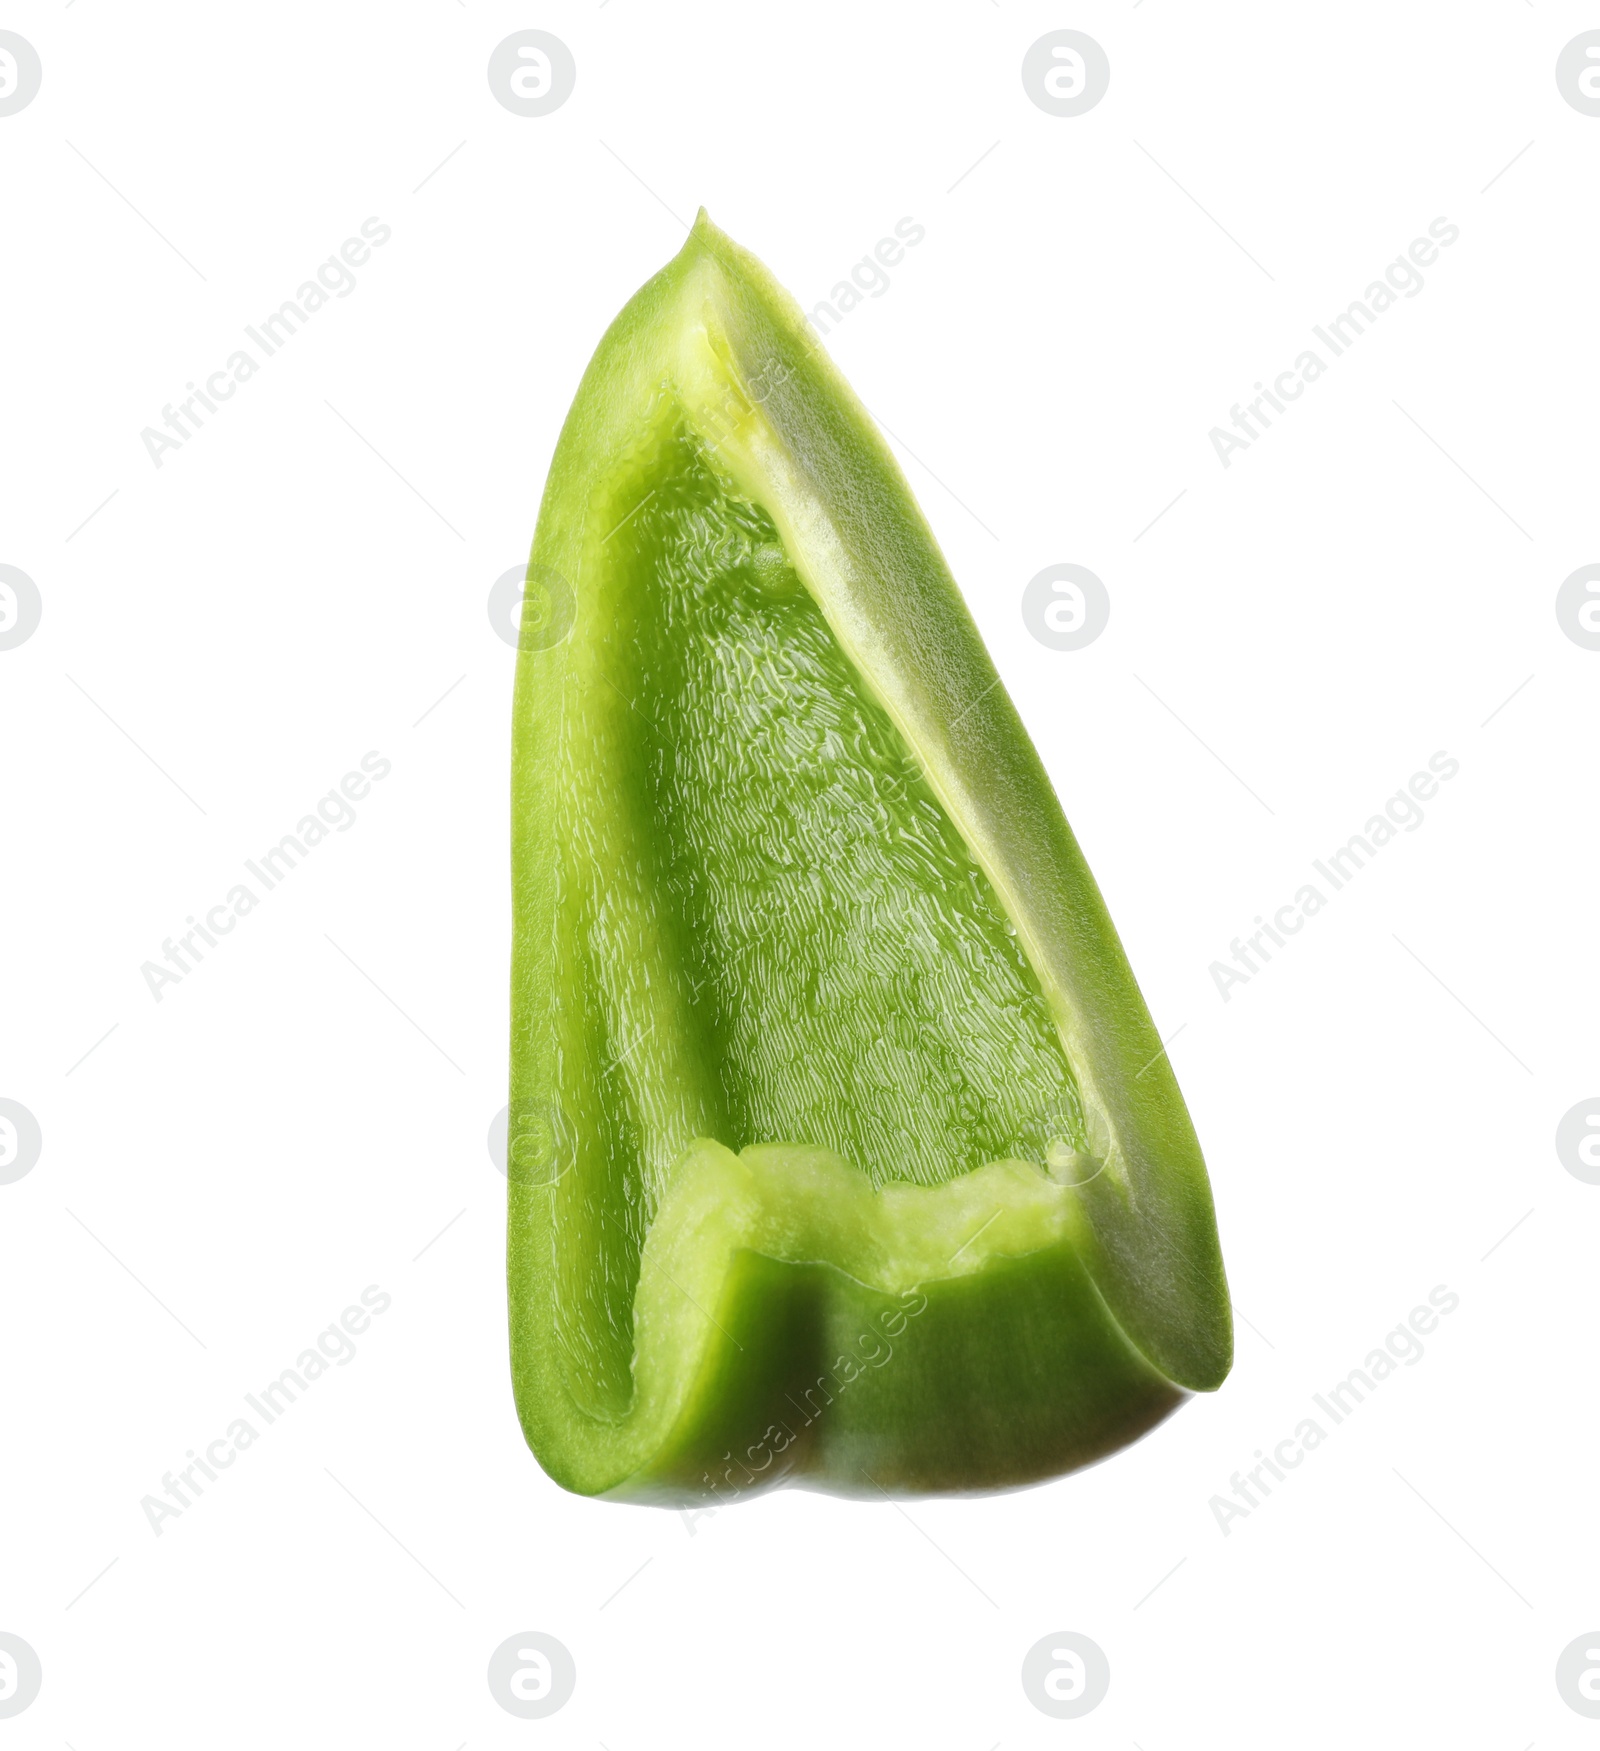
(703, 236)
(707, 238)
(704, 232)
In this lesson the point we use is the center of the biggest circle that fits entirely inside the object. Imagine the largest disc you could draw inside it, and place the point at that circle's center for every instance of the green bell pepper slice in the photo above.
(842, 1149)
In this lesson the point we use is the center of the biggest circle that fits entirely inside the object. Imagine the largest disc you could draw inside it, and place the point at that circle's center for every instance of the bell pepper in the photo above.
(842, 1149)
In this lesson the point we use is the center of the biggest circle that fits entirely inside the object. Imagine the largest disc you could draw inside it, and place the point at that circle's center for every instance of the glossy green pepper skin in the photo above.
(843, 1151)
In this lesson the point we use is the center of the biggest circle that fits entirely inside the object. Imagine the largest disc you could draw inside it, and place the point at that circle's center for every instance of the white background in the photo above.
(305, 1114)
